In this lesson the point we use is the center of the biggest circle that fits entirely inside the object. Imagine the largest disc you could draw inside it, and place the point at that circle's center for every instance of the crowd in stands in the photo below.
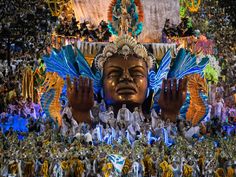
(216, 19)
(222, 102)
(25, 34)
(25, 30)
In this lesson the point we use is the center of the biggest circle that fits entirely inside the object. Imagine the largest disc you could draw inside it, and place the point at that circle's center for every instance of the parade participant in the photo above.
(124, 115)
(107, 117)
(133, 130)
(37, 108)
(66, 124)
(111, 119)
(33, 113)
(94, 114)
(154, 118)
(189, 133)
(218, 108)
(103, 118)
(67, 111)
(138, 115)
(208, 117)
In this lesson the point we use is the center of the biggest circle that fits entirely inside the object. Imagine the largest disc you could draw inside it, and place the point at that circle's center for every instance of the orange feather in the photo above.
(140, 10)
(110, 9)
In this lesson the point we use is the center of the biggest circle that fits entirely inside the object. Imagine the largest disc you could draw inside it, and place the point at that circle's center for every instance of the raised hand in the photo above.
(81, 98)
(172, 98)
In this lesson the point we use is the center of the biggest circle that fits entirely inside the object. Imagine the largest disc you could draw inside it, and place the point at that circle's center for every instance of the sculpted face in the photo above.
(125, 80)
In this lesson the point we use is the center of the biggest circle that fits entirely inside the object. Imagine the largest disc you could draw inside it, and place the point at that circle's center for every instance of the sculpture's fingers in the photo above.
(90, 86)
(80, 89)
(163, 89)
(179, 95)
(91, 93)
(169, 94)
(185, 85)
(174, 89)
(68, 82)
(165, 86)
(85, 88)
(75, 85)
(163, 92)
(184, 89)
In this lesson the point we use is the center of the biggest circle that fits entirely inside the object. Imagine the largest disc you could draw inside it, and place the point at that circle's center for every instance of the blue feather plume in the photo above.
(155, 79)
(186, 64)
(65, 62)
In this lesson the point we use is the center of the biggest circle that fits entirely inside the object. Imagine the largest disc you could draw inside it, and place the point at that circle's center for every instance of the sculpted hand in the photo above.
(172, 98)
(81, 98)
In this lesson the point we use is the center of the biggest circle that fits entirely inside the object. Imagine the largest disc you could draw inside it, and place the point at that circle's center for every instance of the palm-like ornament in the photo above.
(55, 6)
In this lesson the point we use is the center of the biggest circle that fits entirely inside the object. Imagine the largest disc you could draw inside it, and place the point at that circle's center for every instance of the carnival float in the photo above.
(183, 56)
(175, 59)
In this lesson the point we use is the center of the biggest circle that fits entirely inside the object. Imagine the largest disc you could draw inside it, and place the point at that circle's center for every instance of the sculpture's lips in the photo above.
(126, 90)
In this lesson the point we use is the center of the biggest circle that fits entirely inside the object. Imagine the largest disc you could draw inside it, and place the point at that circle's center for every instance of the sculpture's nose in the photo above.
(126, 76)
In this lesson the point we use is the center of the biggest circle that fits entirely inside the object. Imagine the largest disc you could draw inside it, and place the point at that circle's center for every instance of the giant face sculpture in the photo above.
(124, 65)
(125, 80)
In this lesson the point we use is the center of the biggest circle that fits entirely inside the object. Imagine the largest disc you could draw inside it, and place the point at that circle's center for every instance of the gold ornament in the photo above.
(230, 172)
(55, 6)
(45, 168)
(166, 169)
(28, 83)
(219, 172)
(127, 166)
(188, 170)
(80, 168)
(193, 7)
(65, 165)
(107, 169)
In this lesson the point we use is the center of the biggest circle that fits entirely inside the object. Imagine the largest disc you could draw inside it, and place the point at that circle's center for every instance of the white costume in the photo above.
(68, 112)
(154, 118)
(208, 117)
(111, 118)
(218, 109)
(138, 116)
(132, 129)
(124, 115)
(103, 116)
(88, 137)
(193, 130)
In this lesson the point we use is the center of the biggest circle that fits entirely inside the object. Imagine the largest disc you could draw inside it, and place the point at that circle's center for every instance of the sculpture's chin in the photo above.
(130, 104)
(125, 99)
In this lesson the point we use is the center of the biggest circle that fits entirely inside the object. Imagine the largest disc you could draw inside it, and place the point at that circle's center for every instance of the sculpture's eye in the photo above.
(114, 73)
(137, 72)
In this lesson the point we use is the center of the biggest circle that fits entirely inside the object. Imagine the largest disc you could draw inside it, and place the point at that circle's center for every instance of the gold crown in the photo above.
(124, 45)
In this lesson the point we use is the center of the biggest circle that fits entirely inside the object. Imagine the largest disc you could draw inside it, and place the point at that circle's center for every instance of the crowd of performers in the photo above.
(84, 30)
(143, 144)
(180, 30)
